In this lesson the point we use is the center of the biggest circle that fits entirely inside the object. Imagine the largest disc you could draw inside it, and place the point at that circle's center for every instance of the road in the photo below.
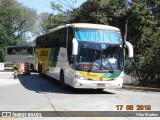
(33, 93)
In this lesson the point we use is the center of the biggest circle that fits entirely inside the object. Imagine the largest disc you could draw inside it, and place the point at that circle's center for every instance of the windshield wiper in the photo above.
(109, 65)
(101, 59)
(102, 66)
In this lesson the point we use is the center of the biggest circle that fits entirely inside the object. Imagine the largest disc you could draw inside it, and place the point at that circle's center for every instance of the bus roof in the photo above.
(83, 25)
(87, 25)
(92, 26)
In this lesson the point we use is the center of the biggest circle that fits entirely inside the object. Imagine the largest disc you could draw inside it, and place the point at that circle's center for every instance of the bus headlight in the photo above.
(80, 77)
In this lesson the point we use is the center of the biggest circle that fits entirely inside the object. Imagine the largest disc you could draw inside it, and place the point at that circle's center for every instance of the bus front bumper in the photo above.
(116, 83)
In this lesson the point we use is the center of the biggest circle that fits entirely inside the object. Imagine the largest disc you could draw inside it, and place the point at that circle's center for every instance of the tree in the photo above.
(15, 22)
(62, 10)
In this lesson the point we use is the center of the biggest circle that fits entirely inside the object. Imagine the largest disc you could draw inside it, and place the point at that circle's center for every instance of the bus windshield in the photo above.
(99, 57)
(99, 50)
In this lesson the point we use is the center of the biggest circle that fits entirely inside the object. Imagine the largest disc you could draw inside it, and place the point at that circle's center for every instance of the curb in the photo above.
(141, 88)
(6, 73)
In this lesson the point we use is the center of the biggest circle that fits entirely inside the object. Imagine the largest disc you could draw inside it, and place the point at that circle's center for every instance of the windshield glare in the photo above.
(99, 56)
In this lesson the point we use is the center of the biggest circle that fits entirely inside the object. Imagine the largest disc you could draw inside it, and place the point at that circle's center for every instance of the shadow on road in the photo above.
(48, 85)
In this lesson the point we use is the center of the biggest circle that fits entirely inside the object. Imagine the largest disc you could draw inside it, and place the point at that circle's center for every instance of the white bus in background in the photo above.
(82, 55)
(21, 54)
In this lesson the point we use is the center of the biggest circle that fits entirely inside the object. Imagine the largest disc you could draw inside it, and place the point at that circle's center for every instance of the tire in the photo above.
(62, 81)
(32, 67)
(40, 70)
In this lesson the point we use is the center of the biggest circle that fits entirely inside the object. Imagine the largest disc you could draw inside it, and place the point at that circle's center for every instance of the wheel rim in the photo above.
(63, 85)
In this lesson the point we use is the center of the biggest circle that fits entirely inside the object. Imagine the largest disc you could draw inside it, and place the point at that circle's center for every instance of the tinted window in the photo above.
(69, 45)
(20, 50)
(53, 39)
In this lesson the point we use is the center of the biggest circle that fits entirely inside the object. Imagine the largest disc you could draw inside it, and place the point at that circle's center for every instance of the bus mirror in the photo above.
(75, 47)
(130, 49)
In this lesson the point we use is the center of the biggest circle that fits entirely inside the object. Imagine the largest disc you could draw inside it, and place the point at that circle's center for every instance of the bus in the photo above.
(20, 54)
(82, 55)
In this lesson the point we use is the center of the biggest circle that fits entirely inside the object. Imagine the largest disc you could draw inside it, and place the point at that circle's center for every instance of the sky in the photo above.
(43, 5)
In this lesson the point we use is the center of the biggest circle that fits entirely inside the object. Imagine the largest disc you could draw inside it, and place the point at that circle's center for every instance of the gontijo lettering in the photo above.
(88, 66)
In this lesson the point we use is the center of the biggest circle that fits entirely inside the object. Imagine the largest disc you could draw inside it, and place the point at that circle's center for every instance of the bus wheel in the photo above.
(62, 82)
(32, 67)
(40, 70)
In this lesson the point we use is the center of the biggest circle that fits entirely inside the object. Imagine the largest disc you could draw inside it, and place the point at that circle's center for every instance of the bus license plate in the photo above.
(100, 85)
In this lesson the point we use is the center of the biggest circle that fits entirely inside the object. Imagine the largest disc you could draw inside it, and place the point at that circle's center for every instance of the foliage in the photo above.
(59, 16)
(144, 31)
(15, 22)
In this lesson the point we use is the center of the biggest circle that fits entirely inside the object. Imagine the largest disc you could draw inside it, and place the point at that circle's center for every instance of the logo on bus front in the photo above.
(88, 66)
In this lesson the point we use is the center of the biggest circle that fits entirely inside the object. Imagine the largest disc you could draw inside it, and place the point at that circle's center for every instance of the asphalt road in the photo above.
(33, 93)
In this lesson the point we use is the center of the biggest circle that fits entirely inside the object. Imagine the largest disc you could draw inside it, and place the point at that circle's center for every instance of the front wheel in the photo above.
(62, 81)
(32, 67)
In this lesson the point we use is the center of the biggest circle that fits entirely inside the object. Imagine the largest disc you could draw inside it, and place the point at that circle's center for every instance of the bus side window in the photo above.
(51, 40)
(69, 45)
(46, 42)
(62, 37)
(40, 42)
(56, 39)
